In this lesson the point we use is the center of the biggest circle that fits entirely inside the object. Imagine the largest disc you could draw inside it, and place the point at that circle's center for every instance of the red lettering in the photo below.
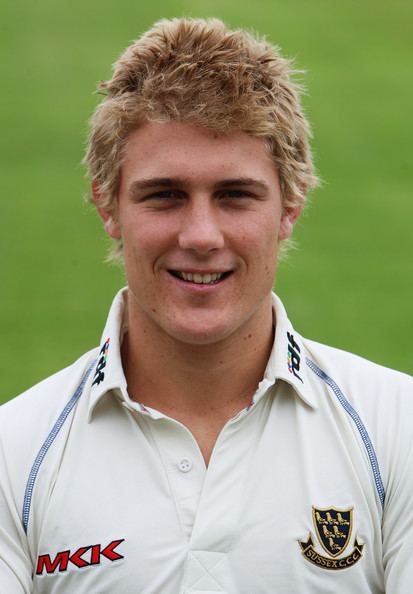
(95, 555)
(76, 558)
(60, 561)
(109, 552)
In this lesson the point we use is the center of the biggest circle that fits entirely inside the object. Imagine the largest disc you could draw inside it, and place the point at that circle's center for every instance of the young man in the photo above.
(205, 446)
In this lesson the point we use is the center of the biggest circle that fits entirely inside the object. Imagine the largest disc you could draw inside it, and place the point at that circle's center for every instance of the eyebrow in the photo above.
(168, 182)
(242, 182)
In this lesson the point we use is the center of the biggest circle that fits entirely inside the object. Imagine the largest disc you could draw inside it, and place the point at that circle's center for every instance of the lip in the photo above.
(201, 270)
(199, 287)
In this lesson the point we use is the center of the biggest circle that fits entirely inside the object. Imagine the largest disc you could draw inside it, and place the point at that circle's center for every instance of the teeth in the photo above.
(201, 279)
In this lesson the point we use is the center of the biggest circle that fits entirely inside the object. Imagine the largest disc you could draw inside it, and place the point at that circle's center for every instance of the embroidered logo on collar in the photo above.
(293, 356)
(333, 528)
(99, 374)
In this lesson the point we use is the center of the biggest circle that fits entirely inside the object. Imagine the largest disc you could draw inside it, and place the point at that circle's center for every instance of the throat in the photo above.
(192, 382)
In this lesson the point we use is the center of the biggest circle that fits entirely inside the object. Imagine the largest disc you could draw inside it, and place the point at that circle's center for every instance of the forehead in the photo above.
(176, 149)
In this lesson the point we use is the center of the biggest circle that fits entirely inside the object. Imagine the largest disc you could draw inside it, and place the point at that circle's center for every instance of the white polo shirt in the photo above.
(308, 490)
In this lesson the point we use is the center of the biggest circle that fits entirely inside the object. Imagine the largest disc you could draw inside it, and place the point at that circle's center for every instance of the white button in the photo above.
(184, 464)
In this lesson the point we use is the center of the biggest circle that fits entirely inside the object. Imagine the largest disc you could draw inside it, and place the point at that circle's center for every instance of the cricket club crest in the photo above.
(333, 528)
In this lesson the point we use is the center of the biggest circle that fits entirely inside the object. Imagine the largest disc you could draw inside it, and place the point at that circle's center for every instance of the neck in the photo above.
(181, 379)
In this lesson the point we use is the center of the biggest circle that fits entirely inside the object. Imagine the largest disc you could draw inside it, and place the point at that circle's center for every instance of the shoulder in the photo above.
(27, 420)
(51, 390)
(377, 401)
(32, 413)
(363, 380)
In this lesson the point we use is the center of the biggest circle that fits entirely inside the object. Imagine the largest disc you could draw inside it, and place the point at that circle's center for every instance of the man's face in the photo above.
(200, 217)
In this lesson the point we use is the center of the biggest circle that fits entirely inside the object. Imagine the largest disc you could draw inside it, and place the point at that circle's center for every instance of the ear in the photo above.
(110, 224)
(289, 217)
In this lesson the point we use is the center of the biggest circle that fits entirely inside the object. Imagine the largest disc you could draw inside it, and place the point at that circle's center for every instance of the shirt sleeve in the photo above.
(15, 562)
(398, 527)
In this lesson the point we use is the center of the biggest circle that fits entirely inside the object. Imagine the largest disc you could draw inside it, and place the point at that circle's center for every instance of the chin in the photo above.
(201, 336)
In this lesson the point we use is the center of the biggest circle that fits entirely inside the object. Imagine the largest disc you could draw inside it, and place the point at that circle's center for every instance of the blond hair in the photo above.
(199, 72)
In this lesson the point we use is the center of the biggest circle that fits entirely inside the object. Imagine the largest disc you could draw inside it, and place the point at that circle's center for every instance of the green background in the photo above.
(349, 283)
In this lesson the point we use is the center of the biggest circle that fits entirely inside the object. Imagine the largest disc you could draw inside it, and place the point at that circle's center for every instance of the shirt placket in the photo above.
(221, 505)
(184, 467)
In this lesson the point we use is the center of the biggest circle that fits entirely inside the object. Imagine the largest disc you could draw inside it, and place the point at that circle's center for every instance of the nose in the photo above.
(201, 230)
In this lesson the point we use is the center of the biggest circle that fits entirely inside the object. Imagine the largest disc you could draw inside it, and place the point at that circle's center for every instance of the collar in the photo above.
(108, 373)
(287, 358)
(286, 361)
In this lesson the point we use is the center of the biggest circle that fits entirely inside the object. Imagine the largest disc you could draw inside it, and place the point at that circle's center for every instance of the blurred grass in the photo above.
(350, 284)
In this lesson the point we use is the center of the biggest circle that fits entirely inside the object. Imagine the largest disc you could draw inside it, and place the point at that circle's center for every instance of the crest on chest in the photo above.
(333, 528)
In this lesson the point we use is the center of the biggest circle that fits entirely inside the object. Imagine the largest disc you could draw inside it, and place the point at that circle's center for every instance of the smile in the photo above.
(209, 278)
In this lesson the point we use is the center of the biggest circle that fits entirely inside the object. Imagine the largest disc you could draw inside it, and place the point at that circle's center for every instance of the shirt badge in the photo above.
(101, 364)
(333, 528)
(293, 356)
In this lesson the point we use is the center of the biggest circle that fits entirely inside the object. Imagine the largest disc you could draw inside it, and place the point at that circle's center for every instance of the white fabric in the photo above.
(122, 501)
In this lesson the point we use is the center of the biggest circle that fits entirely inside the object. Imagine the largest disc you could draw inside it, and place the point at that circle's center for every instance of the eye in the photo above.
(162, 200)
(164, 194)
(236, 194)
(236, 198)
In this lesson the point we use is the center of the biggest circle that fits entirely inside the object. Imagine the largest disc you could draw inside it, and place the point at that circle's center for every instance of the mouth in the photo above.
(209, 278)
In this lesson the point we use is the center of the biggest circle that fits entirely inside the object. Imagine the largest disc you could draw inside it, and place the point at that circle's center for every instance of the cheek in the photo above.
(136, 256)
(260, 237)
(259, 246)
(142, 235)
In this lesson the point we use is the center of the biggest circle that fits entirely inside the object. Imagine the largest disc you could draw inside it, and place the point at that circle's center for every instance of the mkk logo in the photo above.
(293, 356)
(83, 557)
(99, 374)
